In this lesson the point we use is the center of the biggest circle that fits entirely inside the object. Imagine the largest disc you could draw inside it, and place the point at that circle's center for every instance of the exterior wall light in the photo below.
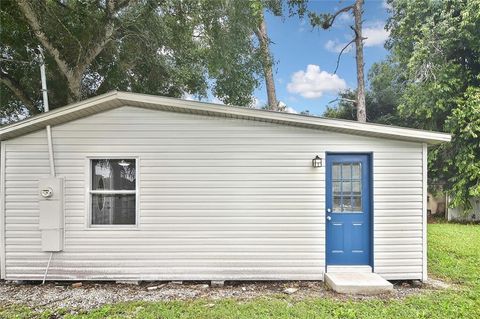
(317, 162)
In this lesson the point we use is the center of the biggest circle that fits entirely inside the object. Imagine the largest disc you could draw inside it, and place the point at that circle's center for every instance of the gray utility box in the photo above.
(51, 222)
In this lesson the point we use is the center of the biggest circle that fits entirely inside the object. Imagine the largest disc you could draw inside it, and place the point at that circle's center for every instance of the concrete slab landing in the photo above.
(359, 283)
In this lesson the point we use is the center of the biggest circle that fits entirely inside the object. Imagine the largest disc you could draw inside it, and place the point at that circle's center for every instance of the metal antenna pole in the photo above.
(46, 109)
(44, 80)
(49, 134)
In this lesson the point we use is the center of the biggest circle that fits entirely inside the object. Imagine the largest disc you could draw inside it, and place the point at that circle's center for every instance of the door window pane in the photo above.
(337, 188)
(347, 187)
(356, 203)
(336, 171)
(346, 171)
(356, 171)
(347, 204)
(356, 187)
(337, 203)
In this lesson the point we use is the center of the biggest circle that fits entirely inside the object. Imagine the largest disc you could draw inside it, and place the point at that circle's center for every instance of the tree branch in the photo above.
(95, 50)
(80, 46)
(340, 54)
(34, 23)
(356, 33)
(16, 89)
(74, 74)
(110, 29)
(330, 21)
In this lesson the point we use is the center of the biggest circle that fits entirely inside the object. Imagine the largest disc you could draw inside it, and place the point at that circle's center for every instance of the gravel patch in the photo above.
(90, 295)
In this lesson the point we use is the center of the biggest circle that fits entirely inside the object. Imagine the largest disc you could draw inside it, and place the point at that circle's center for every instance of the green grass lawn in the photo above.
(454, 256)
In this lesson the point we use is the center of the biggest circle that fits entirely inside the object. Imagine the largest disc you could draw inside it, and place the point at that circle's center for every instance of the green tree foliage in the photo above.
(463, 154)
(431, 81)
(149, 46)
(437, 44)
(382, 98)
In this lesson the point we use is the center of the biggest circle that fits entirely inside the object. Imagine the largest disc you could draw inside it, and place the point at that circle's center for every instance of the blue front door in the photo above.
(348, 209)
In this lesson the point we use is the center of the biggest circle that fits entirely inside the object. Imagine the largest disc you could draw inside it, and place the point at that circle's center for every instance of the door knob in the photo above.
(329, 210)
(329, 217)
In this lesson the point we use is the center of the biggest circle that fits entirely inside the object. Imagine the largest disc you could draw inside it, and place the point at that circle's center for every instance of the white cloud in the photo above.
(386, 5)
(189, 97)
(313, 82)
(337, 46)
(257, 103)
(282, 106)
(290, 109)
(344, 18)
(375, 33)
(292, 98)
(216, 100)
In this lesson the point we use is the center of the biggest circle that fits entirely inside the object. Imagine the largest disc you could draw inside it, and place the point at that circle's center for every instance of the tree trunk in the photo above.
(75, 88)
(267, 63)
(74, 73)
(15, 87)
(361, 108)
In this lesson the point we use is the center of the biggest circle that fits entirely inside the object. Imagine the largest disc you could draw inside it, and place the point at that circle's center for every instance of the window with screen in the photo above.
(113, 192)
(347, 187)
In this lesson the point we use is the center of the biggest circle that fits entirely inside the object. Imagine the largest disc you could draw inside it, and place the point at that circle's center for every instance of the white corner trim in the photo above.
(424, 211)
(2, 211)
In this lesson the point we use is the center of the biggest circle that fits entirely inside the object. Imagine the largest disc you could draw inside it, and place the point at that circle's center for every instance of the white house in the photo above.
(127, 186)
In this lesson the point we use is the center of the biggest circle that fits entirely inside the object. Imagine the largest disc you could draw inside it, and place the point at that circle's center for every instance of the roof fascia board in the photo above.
(116, 99)
(292, 119)
(45, 118)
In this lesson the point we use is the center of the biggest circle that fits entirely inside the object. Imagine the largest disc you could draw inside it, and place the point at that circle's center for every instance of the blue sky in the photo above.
(295, 46)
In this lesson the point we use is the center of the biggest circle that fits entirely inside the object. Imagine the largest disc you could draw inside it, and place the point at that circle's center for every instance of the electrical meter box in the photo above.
(51, 221)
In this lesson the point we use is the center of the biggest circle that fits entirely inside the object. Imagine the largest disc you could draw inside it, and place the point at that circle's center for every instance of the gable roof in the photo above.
(116, 99)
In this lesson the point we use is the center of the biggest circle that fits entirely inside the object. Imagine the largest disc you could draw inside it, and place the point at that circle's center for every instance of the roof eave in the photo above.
(344, 126)
(116, 99)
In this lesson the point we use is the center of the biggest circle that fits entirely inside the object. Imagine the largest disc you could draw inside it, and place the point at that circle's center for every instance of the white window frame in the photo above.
(89, 191)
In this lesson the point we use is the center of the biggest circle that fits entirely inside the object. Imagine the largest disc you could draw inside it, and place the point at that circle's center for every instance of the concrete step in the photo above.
(331, 269)
(359, 283)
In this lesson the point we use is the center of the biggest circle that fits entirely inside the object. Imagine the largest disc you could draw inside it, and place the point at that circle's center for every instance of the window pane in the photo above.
(356, 171)
(347, 187)
(336, 171)
(346, 171)
(337, 188)
(113, 174)
(356, 188)
(347, 205)
(337, 204)
(357, 203)
(113, 209)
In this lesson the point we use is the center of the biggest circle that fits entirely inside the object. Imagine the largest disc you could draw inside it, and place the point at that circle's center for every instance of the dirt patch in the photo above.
(92, 295)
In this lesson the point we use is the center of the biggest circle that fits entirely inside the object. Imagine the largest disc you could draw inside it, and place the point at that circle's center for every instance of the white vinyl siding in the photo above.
(218, 199)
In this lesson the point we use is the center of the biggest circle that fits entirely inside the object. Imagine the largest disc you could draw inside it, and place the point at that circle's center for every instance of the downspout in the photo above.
(49, 135)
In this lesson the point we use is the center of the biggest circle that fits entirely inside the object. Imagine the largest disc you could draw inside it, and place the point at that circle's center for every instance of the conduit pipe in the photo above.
(49, 135)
